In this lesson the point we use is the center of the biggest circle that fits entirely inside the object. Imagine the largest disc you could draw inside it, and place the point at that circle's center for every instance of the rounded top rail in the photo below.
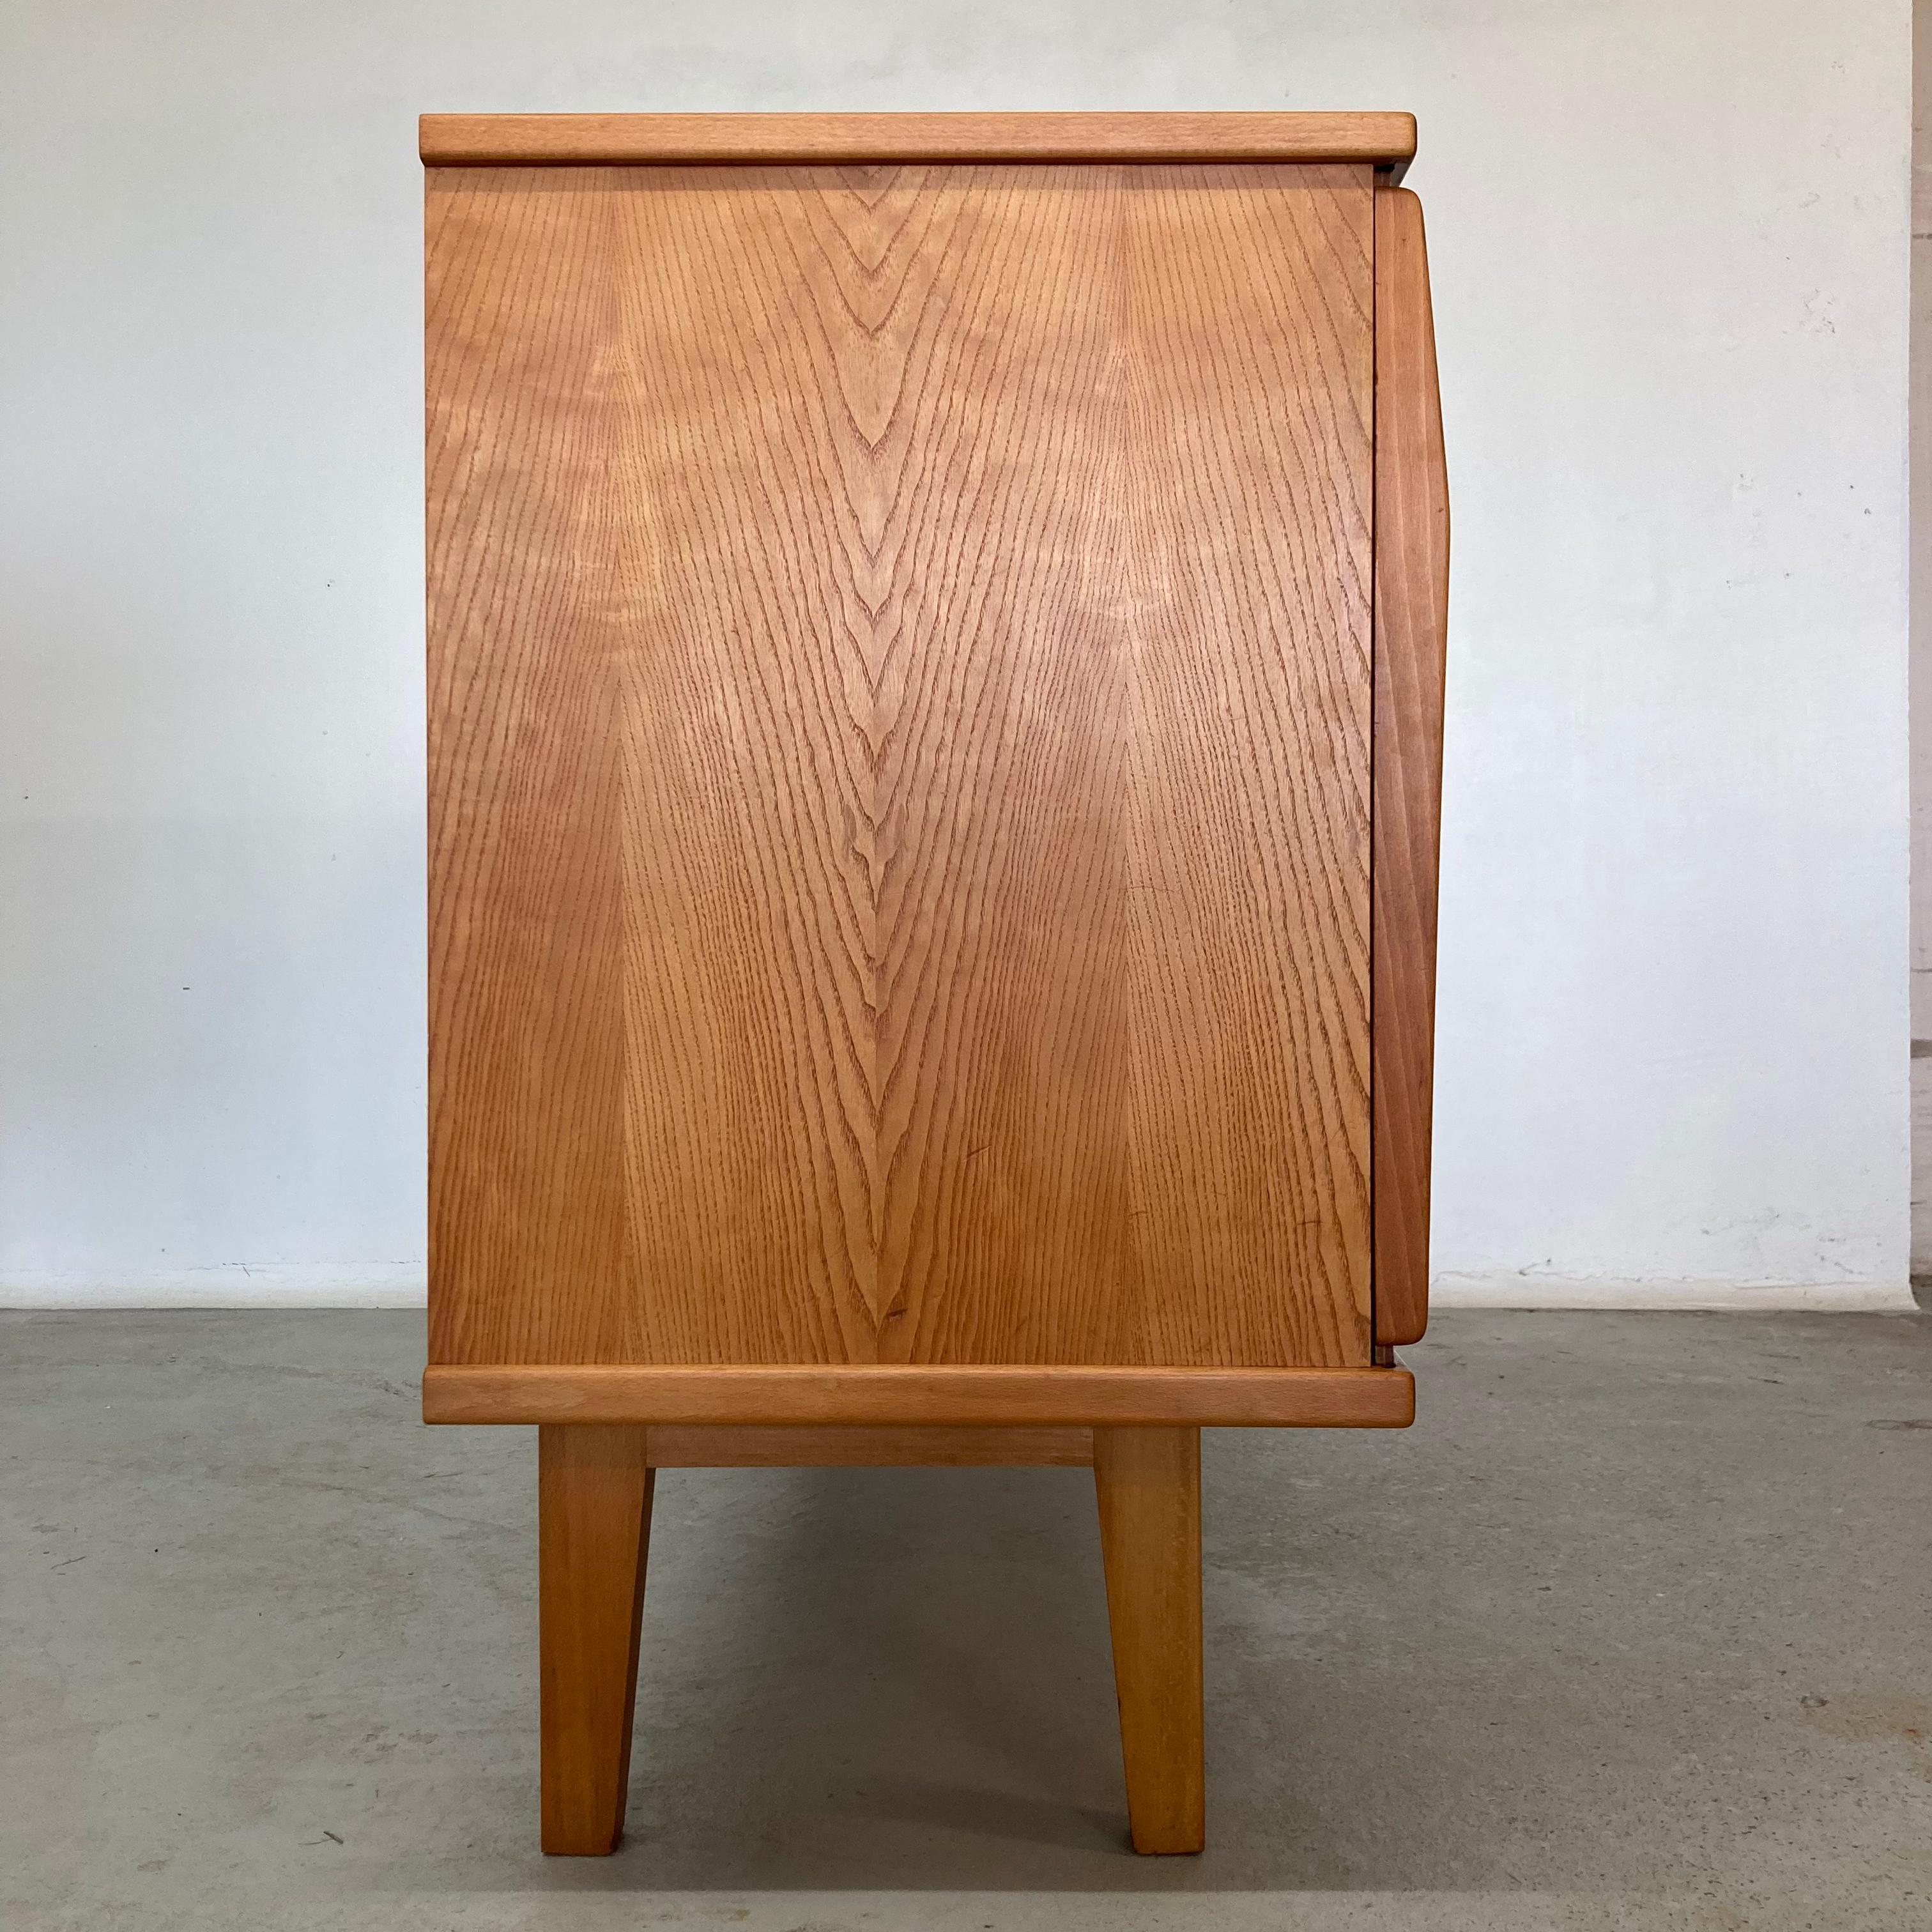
(523, 140)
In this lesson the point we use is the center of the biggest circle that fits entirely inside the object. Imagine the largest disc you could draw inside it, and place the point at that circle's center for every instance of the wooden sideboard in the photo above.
(935, 690)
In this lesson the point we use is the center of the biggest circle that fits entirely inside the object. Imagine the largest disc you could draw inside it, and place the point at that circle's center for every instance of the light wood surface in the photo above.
(593, 1528)
(1411, 617)
(495, 139)
(1148, 1482)
(899, 700)
(901, 1396)
(761, 1448)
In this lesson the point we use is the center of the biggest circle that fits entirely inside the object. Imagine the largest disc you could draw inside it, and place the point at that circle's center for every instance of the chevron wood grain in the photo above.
(899, 696)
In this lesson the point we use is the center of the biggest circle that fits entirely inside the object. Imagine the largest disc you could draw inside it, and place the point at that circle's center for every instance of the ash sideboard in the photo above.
(936, 634)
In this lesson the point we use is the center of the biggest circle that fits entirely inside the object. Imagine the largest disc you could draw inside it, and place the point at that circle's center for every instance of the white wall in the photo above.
(1669, 252)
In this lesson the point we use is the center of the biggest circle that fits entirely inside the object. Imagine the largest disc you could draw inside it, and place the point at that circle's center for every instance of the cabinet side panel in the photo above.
(900, 694)
(1411, 628)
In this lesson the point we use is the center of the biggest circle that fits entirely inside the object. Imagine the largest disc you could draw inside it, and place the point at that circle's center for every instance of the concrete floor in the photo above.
(1630, 1630)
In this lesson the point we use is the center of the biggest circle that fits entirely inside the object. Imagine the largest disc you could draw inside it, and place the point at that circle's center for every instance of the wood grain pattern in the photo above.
(593, 1529)
(1412, 620)
(899, 701)
(757, 1448)
(893, 1395)
(513, 139)
(1148, 1482)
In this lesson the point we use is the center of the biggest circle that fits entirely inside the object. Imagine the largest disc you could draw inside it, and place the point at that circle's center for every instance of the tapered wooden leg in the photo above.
(593, 1528)
(1148, 1481)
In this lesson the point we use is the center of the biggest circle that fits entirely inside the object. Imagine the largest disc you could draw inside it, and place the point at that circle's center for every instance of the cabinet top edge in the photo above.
(525, 140)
